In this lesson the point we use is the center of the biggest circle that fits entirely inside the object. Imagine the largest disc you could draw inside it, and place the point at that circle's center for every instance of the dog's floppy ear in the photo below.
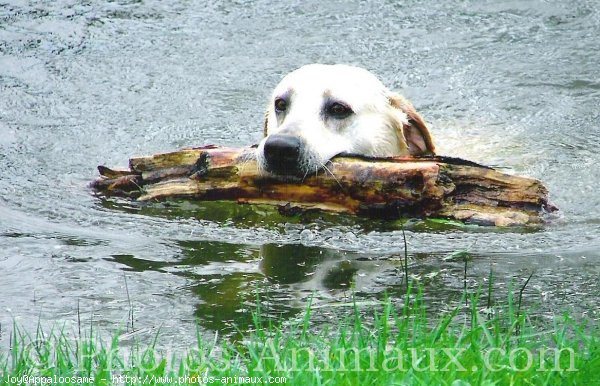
(416, 133)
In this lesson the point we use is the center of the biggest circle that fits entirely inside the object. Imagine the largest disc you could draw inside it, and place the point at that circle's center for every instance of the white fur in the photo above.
(371, 130)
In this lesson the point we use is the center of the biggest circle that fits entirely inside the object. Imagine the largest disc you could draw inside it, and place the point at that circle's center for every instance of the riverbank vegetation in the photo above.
(472, 344)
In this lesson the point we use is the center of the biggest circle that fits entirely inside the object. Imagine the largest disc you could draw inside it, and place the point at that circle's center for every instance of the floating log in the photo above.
(441, 187)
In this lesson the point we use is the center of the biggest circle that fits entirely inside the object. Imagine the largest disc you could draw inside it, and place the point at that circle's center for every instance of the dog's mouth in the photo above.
(289, 156)
(290, 171)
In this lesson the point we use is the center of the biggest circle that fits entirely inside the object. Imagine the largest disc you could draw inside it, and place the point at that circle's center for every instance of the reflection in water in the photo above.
(289, 264)
(227, 280)
(317, 269)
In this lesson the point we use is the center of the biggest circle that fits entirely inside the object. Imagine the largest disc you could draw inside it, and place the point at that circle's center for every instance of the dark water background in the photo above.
(514, 84)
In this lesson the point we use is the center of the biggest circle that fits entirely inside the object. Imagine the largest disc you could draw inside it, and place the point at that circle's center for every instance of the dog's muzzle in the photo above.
(283, 154)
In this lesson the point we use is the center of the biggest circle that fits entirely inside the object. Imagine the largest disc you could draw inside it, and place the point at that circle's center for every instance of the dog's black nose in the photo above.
(283, 153)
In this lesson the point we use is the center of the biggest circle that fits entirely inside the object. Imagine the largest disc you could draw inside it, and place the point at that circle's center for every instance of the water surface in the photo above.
(514, 84)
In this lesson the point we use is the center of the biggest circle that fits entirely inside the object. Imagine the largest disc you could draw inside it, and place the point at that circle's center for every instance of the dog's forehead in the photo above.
(338, 81)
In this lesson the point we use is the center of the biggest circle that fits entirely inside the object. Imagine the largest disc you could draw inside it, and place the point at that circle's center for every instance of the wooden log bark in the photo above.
(380, 187)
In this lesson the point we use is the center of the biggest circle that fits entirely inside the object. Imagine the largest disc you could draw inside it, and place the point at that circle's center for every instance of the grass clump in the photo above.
(395, 345)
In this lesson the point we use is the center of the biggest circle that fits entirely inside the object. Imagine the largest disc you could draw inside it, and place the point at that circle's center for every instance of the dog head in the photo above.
(319, 111)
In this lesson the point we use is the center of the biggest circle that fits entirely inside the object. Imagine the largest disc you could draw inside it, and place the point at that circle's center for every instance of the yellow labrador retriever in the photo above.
(319, 111)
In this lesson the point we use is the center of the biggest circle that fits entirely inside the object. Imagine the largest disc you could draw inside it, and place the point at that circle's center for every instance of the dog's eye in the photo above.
(280, 105)
(339, 111)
